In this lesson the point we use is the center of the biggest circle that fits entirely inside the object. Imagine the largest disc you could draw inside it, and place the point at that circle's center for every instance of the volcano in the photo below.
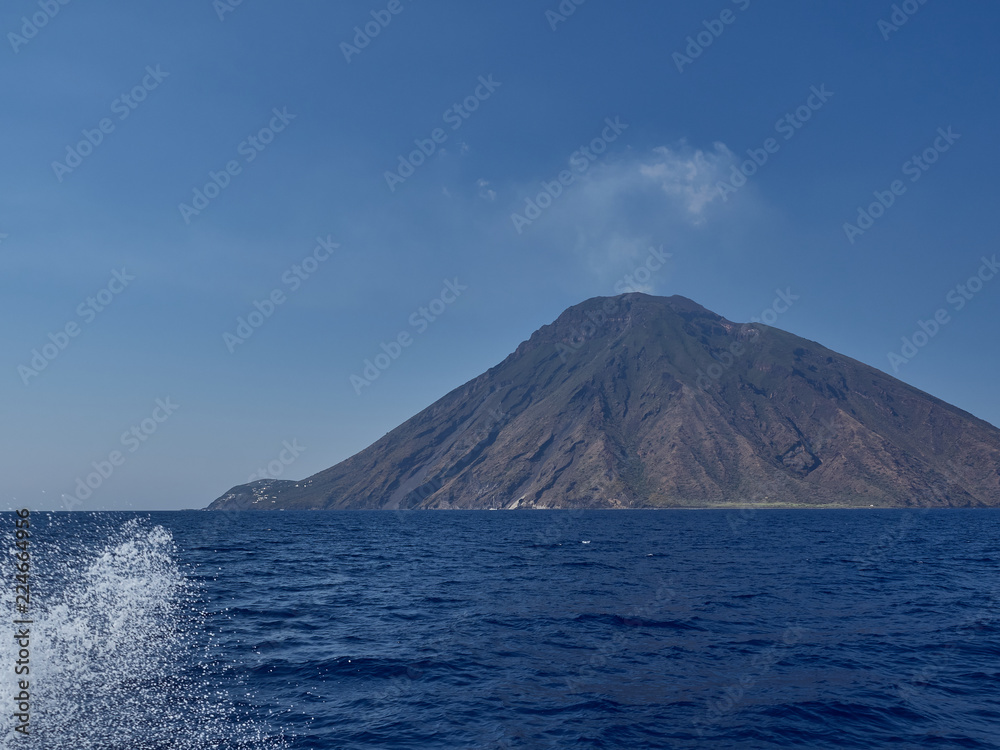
(638, 401)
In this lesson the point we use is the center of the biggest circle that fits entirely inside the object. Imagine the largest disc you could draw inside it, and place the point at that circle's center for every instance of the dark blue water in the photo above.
(673, 629)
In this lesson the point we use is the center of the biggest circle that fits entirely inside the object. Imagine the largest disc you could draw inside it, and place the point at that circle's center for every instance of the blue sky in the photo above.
(152, 390)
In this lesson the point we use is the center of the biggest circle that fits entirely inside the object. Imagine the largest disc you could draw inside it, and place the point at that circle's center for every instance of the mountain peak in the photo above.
(640, 303)
(645, 401)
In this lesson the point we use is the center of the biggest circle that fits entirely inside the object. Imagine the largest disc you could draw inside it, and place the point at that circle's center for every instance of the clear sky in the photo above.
(168, 167)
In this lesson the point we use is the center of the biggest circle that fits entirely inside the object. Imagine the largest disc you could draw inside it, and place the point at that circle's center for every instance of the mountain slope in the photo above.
(640, 401)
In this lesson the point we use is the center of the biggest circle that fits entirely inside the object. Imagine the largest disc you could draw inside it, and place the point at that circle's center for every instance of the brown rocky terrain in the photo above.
(638, 401)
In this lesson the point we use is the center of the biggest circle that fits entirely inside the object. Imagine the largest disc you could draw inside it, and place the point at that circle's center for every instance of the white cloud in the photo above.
(609, 217)
(485, 191)
(691, 176)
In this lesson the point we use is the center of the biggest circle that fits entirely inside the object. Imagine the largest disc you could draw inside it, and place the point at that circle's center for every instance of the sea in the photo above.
(749, 628)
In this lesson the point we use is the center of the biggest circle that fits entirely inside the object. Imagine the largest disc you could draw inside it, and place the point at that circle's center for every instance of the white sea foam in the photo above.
(121, 655)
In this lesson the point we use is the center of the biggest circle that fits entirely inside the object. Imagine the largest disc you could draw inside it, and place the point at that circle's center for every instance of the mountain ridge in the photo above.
(639, 401)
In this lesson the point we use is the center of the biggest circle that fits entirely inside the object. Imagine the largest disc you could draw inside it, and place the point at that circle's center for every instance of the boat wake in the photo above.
(122, 653)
